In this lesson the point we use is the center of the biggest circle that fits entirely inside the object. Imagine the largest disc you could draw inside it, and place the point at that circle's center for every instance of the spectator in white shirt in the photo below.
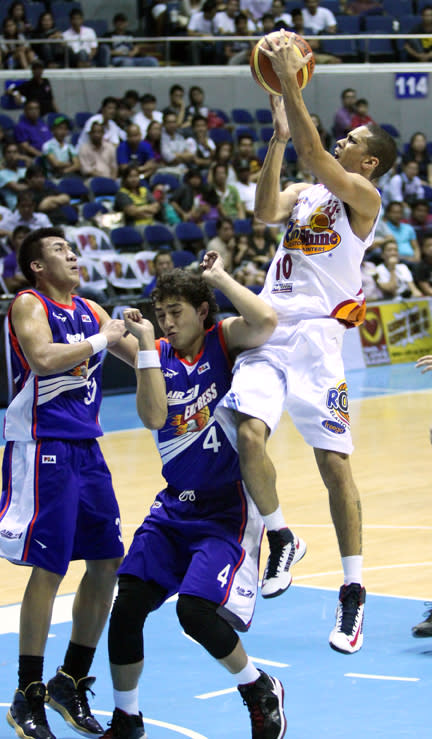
(278, 13)
(202, 24)
(175, 150)
(147, 114)
(405, 187)
(24, 215)
(112, 132)
(224, 21)
(318, 19)
(255, 9)
(245, 187)
(82, 45)
(394, 278)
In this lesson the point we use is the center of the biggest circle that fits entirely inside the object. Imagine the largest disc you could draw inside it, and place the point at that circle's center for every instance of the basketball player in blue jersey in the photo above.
(58, 502)
(203, 534)
(314, 284)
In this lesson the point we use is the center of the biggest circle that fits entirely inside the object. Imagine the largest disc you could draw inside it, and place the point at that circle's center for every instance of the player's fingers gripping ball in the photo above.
(262, 69)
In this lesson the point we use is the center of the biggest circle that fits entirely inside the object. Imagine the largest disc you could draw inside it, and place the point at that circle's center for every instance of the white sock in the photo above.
(352, 567)
(127, 701)
(274, 521)
(248, 674)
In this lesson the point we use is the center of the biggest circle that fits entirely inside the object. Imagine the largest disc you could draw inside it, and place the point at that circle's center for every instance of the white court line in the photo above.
(269, 662)
(382, 677)
(216, 693)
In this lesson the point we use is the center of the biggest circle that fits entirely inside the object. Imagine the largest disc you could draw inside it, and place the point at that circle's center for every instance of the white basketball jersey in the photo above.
(316, 270)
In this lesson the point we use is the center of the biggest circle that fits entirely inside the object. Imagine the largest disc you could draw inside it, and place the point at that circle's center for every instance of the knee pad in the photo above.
(135, 600)
(200, 620)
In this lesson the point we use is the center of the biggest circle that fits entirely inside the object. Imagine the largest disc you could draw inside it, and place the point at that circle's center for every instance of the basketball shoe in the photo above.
(27, 713)
(264, 699)
(286, 550)
(69, 698)
(347, 635)
(125, 726)
(425, 627)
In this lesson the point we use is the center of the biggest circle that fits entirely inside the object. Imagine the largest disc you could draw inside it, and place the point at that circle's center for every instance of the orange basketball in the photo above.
(263, 72)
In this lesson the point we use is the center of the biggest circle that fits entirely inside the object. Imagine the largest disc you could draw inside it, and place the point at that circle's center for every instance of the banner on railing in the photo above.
(396, 332)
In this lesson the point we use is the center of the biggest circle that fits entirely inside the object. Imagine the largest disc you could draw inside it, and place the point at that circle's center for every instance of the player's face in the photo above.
(59, 263)
(351, 150)
(181, 324)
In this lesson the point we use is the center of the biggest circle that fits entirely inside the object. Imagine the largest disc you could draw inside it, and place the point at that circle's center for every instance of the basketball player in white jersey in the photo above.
(314, 284)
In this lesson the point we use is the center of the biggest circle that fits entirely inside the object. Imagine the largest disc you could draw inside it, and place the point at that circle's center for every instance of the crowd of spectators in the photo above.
(59, 38)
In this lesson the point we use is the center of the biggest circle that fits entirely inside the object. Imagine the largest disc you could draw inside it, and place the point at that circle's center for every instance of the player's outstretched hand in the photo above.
(113, 329)
(138, 326)
(425, 363)
(213, 267)
(286, 62)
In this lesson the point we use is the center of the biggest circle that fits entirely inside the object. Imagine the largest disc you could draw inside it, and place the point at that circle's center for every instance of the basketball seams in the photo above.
(265, 75)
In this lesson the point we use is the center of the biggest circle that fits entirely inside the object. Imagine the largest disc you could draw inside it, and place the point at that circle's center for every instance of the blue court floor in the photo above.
(382, 691)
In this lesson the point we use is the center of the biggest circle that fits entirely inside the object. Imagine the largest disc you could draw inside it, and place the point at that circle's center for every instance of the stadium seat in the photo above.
(264, 116)
(428, 193)
(81, 118)
(218, 135)
(126, 239)
(6, 122)
(397, 8)
(71, 214)
(156, 236)
(391, 129)
(347, 49)
(377, 49)
(222, 114)
(165, 178)
(99, 25)
(266, 133)
(210, 229)
(348, 24)
(89, 210)
(242, 226)
(290, 153)
(242, 117)
(225, 306)
(261, 153)
(378, 24)
(183, 258)
(103, 188)
(33, 11)
(75, 188)
(189, 235)
(246, 131)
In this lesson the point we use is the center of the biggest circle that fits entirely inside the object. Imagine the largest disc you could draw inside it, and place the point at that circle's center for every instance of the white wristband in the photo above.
(148, 359)
(99, 342)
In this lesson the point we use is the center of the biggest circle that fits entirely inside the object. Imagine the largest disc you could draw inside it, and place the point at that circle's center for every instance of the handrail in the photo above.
(166, 41)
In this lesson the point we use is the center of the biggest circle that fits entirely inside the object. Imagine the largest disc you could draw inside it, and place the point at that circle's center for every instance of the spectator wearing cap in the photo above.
(47, 199)
(125, 52)
(147, 114)
(36, 88)
(31, 131)
(24, 215)
(59, 155)
(136, 151)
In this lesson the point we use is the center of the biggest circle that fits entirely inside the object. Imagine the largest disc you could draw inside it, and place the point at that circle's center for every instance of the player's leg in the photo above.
(262, 694)
(254, 405)
(96, 540)
(345, 508)
(134, 601)
(27, 712)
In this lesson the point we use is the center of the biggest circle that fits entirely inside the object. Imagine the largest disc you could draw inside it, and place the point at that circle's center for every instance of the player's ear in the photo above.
(203, 310)
(370, 163)
(36, 266)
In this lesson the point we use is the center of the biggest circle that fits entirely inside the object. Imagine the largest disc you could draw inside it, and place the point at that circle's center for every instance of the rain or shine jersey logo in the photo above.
(318, 235)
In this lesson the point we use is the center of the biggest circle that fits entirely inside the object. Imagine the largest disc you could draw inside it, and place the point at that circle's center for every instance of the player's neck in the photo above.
(58, 295)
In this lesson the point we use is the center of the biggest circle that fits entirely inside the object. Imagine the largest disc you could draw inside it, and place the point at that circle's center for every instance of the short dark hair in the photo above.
(119, 17)
(191, 287)
(176, 87)
(31, 249)
(33, 170)
(383, 146)
(109, 99)
(74, 12)
(147, 98)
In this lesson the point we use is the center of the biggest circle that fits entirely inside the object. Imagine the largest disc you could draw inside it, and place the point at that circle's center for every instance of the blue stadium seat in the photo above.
(219, 135)
(225, 306)
(242, 116)
(246, 131)
(261, 153)
(210, 229)
(222, 114)
(378, 24)
(126, 239)
(189, 234)
(347, 49)
(75, 188)
(242, 226)
(103, 188)
(71, 214)
(378, 48)
(264, 116)
(33, 11)
(182, 258)
(391, 129)
(157, 235)
(99, 25)
(165, 178)
(89, 210)
(266, 133)
(6, 122)
(348, 24)
(82, 117)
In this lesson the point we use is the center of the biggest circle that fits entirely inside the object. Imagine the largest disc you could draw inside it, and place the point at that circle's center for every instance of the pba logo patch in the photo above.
(85, 318)
(337, 403)
(203, 368)
(49, 459)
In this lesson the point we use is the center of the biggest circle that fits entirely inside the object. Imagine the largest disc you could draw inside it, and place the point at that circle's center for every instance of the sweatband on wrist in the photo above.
(99, 342)
(148, 359)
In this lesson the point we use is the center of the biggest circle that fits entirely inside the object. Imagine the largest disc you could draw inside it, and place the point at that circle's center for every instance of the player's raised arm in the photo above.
(151, 390)
(257, 320)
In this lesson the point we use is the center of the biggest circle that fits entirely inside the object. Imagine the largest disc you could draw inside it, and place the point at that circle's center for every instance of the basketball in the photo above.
(263, 72)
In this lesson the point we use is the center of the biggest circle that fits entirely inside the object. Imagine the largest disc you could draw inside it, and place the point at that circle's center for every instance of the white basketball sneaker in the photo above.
(347, 635)
(285, 550)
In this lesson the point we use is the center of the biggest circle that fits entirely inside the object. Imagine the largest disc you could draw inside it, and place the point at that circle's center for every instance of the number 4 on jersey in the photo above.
(211, 440)
(223, 575)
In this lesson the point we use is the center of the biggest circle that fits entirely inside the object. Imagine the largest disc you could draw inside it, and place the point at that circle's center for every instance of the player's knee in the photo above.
(200, 621)
(251, 436)
(135, 600)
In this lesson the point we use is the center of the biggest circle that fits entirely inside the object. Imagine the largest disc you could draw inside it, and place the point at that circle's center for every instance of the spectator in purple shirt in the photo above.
(342, 119)
(31, 131)
(136, 151)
